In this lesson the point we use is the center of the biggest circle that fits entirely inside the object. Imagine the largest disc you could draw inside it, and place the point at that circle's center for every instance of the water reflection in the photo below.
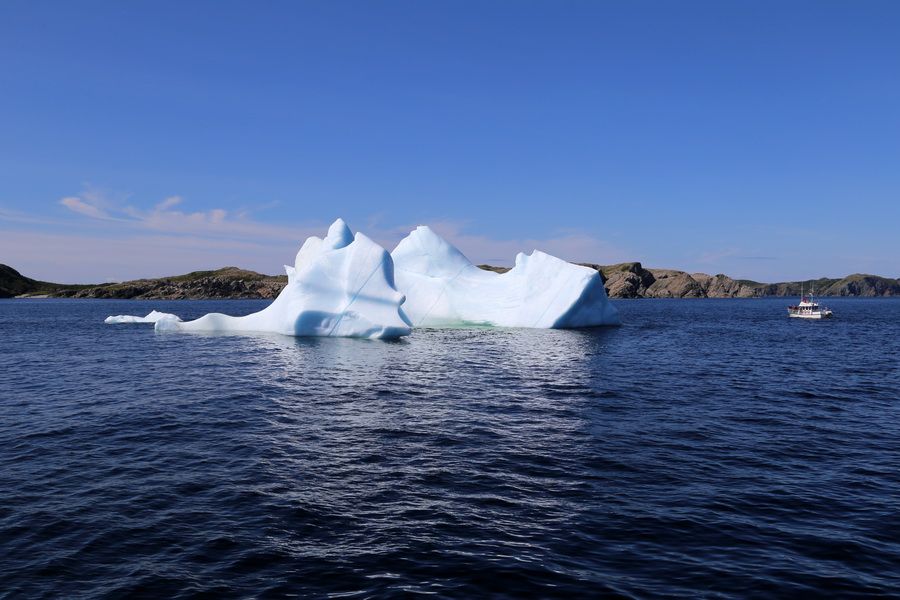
(439, 425)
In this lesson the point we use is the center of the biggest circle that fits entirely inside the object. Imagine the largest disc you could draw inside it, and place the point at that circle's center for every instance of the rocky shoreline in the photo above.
(631, 280)
(625, 280)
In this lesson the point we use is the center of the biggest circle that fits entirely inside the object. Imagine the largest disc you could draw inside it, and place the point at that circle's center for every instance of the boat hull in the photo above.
(818, 315)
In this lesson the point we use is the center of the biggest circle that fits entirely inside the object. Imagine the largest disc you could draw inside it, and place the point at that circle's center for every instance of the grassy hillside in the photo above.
(13, 283)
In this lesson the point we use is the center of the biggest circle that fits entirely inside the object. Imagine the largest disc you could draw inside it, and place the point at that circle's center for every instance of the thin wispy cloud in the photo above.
(77, 205)
(169, 203)
(165, 216)
(120, 240)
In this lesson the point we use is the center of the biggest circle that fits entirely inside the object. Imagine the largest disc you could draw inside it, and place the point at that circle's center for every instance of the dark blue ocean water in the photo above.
(707, 448)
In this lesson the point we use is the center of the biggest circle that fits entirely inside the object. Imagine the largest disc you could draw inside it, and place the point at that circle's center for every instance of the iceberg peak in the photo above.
(426, 253)
(339, 235)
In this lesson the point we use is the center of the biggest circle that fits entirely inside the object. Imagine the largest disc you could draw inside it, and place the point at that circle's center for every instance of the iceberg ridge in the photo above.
(443, 288)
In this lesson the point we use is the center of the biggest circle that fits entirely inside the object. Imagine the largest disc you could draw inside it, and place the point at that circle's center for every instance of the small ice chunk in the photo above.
(153, 317)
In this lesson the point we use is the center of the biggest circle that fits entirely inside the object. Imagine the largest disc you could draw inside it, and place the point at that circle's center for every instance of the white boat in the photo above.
(809, 309)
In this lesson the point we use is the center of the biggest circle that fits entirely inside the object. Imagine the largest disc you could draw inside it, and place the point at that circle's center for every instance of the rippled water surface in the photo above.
(706, 448)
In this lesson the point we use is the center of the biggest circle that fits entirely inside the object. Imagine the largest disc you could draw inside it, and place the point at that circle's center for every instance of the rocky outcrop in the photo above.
(632, 280)
(625, 280)
(673, 284)
(722, 286)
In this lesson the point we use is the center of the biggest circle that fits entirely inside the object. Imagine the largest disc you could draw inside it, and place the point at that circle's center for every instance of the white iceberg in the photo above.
(344, 286)
(153, 317)
(340, 286)
(443, 288)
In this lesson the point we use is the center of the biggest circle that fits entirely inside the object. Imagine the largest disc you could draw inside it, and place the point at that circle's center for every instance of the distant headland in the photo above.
(624, 280)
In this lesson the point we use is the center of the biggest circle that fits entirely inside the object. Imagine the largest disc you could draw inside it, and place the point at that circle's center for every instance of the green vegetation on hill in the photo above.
(13, 283)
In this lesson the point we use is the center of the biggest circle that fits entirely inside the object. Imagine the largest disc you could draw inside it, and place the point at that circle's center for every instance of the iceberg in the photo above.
(153, 317)
(346, 285)
(339, 286)
(443, 288)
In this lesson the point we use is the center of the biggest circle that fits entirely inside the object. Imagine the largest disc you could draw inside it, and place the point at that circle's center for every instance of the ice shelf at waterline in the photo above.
(341, 286)
(443, 288)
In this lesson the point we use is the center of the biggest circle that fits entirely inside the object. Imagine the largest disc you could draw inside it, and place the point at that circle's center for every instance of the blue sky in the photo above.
(755, 138)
